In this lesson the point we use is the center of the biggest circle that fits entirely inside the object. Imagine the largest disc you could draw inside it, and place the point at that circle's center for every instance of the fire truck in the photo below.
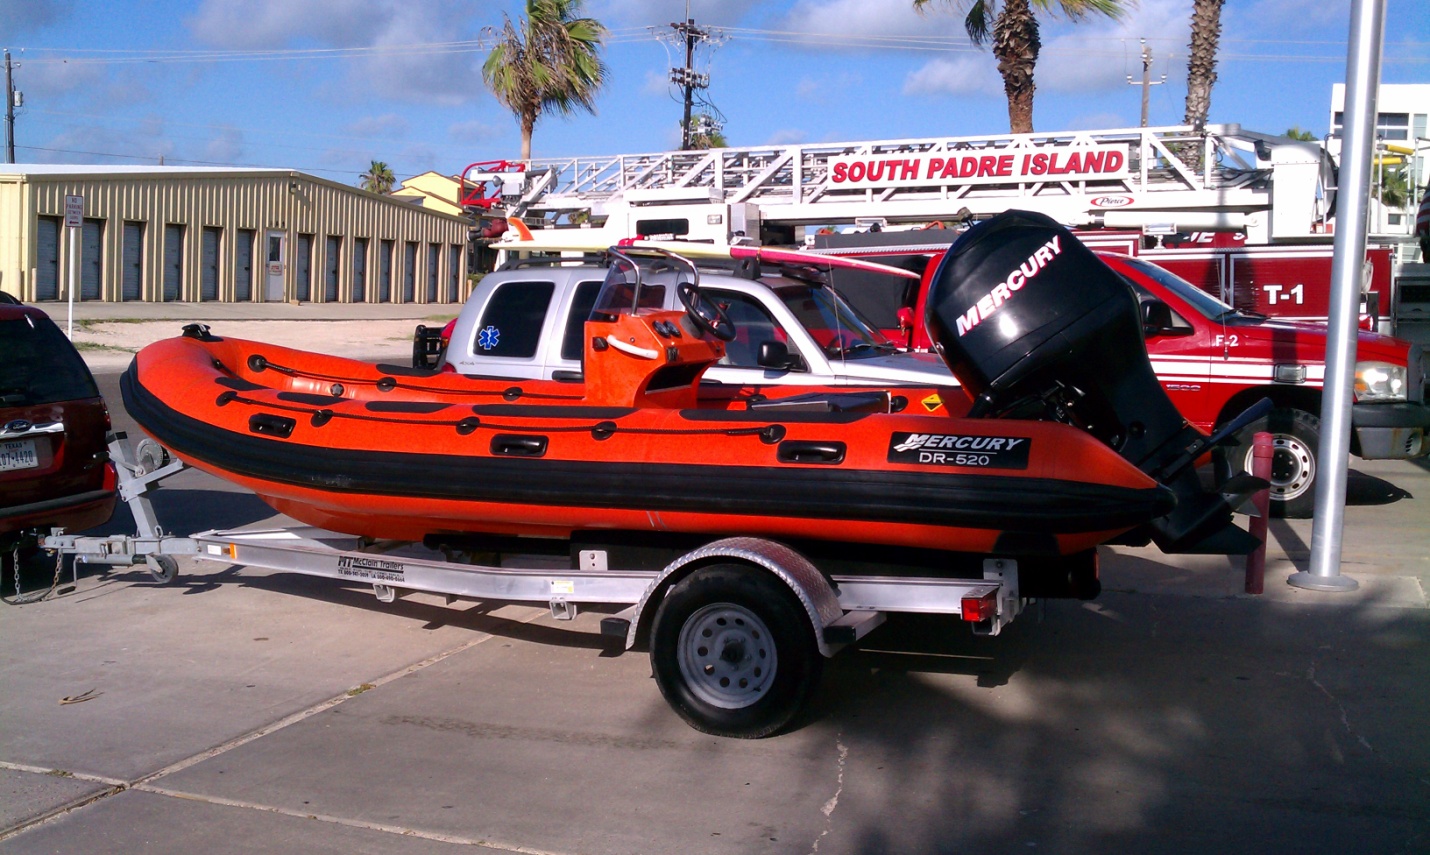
(1248, 217)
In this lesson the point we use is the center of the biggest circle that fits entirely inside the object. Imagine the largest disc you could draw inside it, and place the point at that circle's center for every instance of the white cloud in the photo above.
(17, 16)
(661, 13)
(225, 147)
(406, 65)
(817, 18)
(248, 24)
(966, 75)
(472, 131)
(656, 84)
(106, 144)
(388, 125)
(1280, 17)
(54, 76)
(787, 136)
(1098, 53)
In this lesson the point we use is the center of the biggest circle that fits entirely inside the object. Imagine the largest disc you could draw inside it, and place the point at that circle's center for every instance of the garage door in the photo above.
(330, 275)
(360, 270)
(243, 266)
(47, 261)
(132, 271)
(91, 260)
(208, 265)
(173, 261)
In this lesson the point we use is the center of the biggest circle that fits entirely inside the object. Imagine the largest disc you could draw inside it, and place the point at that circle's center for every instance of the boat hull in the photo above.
(419, 458)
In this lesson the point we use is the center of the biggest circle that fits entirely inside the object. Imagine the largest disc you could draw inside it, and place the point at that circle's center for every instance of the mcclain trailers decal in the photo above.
(951, 449)
(371, 569)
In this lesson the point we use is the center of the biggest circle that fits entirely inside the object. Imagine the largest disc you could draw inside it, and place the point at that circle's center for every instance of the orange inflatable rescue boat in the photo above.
(1070, 441)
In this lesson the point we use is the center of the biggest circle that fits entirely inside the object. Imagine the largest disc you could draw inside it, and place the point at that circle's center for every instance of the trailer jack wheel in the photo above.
(733, 652)
(162, 567)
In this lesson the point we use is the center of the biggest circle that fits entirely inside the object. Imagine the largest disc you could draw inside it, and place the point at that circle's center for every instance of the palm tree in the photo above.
(1201, 61)
(1295, 133)
(1016, 42)
(378, 178)
(550, 60)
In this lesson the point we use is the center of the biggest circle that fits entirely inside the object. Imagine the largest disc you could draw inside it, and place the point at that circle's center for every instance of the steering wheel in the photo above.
(705, 314)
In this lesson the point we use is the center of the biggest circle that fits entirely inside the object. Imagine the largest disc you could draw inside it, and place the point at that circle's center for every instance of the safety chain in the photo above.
(23, 599)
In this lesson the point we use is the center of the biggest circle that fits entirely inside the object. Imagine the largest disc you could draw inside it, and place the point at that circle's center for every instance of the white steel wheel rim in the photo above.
(727, 656)
(1293, 467)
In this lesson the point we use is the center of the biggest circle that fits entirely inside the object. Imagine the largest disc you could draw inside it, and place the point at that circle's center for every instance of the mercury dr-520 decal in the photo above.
(951, 449)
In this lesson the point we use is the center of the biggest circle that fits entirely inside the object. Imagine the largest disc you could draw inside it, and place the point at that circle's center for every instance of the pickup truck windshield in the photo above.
(835, 326)
(1203, 303)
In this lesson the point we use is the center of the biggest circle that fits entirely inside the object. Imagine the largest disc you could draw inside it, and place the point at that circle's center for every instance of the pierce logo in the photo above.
(1111, 201)
(952, 449)
(1004, 291)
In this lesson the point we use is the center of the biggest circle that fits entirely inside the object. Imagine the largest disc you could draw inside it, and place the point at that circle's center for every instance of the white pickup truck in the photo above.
(527, 320)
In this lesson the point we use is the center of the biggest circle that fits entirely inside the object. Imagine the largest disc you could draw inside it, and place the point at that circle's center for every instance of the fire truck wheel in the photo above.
(733, 652)
(1296, 435)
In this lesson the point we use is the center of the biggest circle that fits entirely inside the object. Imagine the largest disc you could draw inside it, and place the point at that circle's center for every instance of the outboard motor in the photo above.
(1035, 326)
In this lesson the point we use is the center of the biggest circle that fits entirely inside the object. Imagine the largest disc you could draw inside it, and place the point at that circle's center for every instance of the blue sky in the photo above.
(325, 86)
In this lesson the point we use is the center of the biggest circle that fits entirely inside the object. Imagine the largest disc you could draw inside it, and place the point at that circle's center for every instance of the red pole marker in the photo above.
(1262, 450)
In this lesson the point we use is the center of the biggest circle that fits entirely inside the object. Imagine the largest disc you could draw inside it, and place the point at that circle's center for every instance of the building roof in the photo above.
(42, 169)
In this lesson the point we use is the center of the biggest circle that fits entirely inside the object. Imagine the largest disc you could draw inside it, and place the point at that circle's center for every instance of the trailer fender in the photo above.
(814, 592)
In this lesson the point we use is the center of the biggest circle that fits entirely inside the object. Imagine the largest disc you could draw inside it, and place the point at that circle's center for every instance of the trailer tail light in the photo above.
(979, 609)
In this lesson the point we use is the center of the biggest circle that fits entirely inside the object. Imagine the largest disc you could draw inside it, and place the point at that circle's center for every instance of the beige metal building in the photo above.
(193, 234)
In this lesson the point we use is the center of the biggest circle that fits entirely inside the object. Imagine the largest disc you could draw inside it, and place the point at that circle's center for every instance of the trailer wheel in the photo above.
(1296, 435)
(164, 568)
(734, 652)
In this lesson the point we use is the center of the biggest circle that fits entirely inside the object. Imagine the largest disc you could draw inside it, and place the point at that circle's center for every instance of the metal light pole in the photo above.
(1353, 199)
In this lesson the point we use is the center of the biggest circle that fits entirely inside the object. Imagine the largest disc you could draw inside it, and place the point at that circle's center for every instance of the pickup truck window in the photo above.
(835, 326)
(1205, 304)
(573, 341)
(511, 321)
(753, 327)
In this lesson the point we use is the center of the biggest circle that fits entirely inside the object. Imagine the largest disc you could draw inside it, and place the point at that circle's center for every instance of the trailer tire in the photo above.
(1296, 435)
(734, 652)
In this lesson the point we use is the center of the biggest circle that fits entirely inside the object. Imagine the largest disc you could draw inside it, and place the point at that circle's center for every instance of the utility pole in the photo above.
(686, 77)
(1147, 81)
(9, 112)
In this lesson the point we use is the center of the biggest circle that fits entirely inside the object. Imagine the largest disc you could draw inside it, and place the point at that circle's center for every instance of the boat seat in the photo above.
(825, 402)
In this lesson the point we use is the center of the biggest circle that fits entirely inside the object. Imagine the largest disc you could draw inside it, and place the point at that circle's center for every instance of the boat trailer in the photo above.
(737, 628)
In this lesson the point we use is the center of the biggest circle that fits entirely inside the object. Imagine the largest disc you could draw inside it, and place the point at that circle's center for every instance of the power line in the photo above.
(166, 159)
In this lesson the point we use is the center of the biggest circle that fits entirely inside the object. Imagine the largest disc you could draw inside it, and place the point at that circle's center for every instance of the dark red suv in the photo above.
(54, 466)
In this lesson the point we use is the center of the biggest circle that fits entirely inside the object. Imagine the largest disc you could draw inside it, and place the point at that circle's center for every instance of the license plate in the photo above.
(18, 454)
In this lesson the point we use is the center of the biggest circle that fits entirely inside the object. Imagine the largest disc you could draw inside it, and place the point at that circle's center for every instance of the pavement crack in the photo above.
(144, 782)
(829, 806)
(1345, 717)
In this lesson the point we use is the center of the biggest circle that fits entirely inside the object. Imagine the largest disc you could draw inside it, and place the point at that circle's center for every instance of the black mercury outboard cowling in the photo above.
(1034, 325)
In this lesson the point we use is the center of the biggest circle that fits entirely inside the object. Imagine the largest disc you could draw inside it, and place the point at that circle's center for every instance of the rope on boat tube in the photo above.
(768, 434)
(258, 364)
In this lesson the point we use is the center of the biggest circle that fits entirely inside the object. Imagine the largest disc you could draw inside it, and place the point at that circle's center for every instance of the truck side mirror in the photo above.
(775, 355)
(1156, 318)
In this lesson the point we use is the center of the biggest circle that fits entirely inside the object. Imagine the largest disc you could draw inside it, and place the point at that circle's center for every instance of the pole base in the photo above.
(1312, 582)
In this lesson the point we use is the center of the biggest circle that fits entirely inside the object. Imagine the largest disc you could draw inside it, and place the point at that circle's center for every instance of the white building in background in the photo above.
(1402, 115)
